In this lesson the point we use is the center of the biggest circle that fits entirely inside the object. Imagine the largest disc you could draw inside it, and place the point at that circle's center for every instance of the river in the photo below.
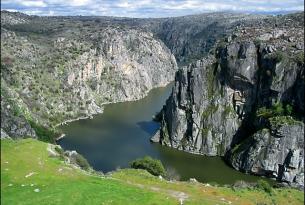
(121, 134)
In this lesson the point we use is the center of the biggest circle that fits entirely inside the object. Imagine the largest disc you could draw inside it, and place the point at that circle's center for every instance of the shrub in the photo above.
(44, 134)
(60, 151)
(82, 162)
(263, 185)
(264, 112)
(278, 108)
(153, 166)
(277, 56)
(289, 109)
(257, 42)
(281, 120)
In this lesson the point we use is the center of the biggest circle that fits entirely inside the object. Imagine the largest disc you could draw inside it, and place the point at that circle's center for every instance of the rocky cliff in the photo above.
(65, 68)
(245, 102)
(192, 37)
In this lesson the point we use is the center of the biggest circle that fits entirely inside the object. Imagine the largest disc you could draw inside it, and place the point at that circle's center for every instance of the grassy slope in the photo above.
(63, 184)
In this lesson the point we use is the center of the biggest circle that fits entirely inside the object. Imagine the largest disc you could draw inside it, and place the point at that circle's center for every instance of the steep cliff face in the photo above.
(65, 68)
(191, 37)
(199, 116)
(125, 65)
(221, 104)
(277, 153)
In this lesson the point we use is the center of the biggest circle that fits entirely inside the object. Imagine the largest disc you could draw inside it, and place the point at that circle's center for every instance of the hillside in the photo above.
(30, 176)
(61, 68)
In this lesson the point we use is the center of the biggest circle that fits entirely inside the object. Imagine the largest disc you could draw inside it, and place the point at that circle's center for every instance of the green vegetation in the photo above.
(278, 109)
(278, 114)
(82, 162)
(44, 134)
(60, 151)
(54, 182)
(257, 42)
(227, 110)
(153, 166)
(277, 56)
(209, 110)
(265, 186)
(299, 58)
(281, 120)
(211, 78)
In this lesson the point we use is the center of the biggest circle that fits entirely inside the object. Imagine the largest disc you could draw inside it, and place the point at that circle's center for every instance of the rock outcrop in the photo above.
(225, 101)
(13, 123)
(199, 116)
(278, 155)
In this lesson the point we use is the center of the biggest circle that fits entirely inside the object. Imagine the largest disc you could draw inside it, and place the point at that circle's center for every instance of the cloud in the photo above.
(33, 3)
(79, 2)
(25, 3)
(148, 8)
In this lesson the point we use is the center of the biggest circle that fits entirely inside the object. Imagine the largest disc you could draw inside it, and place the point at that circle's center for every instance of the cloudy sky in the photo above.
(148, 8)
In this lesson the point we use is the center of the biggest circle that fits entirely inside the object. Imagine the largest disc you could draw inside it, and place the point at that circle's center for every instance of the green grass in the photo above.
(60, 183)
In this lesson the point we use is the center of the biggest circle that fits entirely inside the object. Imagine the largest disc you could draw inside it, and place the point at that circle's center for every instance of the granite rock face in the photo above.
(213, 109)
(279, 156)
(191, 37)
(198, 116)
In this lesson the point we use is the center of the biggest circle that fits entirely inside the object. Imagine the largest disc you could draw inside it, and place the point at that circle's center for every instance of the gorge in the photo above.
(232, 96)
(121, 134)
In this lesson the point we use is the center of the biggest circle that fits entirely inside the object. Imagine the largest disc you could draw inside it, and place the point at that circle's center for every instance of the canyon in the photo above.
(238, 81)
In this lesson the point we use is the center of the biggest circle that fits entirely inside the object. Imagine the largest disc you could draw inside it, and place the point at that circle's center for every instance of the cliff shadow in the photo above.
(149, 127)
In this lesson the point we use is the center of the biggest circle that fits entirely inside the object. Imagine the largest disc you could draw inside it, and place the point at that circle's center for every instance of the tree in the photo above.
(153, 166)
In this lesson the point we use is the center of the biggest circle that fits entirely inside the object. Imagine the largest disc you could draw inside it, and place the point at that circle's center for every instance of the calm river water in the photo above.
(121, 134)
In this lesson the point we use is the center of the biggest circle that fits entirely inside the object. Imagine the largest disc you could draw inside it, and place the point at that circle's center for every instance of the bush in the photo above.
(82, 162)
(257, 42)
(278, 109)
(60, 151)
(264, 112)
(281, 120)
(44, 134)
(265, 186)
(277, 56)
(153, 166)
(289, 110)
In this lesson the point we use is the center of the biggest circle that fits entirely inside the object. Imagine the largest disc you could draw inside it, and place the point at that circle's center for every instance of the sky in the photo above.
(148, 8)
